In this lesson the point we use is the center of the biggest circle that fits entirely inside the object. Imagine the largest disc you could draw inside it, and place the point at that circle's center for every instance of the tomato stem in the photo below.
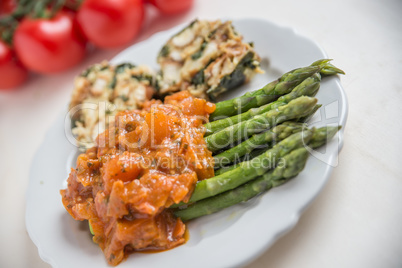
(7, 28)
(36, 9)
(73, 4)
(58, 4)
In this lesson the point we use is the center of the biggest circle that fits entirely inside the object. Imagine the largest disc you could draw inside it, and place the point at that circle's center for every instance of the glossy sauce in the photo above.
(147, 161)
(154, 250)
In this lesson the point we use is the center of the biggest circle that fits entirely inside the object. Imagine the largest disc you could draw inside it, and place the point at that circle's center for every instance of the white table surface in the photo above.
(356, 221)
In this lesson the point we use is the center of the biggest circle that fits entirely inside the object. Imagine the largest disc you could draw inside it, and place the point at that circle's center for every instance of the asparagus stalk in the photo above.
(271, 91)
(296, 108)
(268, 146)
(249, 170)
(294, 163)
(311, 114)
(276, 134)
(330, 69)
(322, 135)
(319, 138)
(309, 87)
(248, 157)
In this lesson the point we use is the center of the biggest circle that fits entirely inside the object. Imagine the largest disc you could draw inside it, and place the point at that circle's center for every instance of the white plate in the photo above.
(230, 238)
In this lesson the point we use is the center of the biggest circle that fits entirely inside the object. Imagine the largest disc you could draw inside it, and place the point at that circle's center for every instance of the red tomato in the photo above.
(12, 73)
(49, 45)
(7, 6)
(172, 6)
(111, 23)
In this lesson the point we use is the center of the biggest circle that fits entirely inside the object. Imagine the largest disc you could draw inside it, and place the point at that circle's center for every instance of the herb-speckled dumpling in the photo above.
(101, 91)
(206, 58)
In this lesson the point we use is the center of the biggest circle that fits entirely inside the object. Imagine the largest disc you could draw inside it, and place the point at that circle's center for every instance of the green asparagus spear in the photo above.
(250, 169)
(330, 69)
(271, 91)
(322, 135)
(273, 135)
(247, 157)
(309, 87)
(293, 164)
(310, 115)
(296, 108)
(319, 138)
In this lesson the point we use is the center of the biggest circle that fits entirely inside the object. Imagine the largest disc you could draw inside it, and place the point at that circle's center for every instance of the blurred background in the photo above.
(356, 219)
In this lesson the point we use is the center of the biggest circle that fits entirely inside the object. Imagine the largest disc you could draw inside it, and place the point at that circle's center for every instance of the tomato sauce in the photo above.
(147, 161)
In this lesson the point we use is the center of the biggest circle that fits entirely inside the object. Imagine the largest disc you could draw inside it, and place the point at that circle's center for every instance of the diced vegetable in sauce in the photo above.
(140, 166)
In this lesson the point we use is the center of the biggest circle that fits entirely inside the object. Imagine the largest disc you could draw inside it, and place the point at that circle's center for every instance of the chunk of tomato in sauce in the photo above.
(125, 167)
